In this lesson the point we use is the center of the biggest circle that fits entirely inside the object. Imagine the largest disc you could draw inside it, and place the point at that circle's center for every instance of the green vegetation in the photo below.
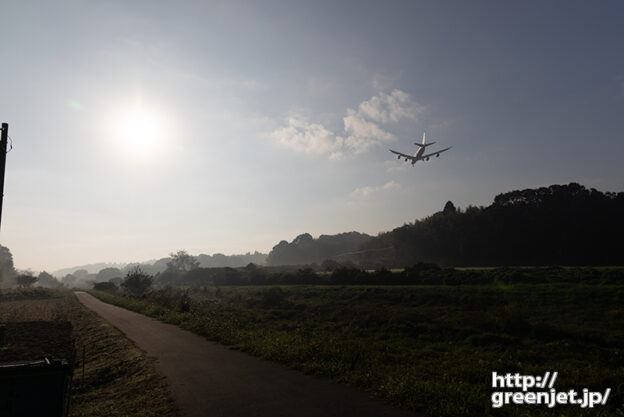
(119, 381)
(7, 269)
(137, 282)
(80, 277)
(560, 224)
(417, 274)
(424, 347)
(304, 249)
(25, 280)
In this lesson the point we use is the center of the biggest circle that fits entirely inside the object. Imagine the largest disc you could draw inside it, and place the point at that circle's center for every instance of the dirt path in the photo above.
(207, 379)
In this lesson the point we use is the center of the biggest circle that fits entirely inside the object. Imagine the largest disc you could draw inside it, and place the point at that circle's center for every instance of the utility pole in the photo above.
(3, 152)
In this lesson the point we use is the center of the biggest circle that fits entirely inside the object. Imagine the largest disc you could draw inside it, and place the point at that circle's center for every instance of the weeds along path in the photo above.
(118, 381)
(207, 379)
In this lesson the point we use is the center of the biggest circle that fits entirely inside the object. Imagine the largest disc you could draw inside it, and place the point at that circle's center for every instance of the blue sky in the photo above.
(141, 128)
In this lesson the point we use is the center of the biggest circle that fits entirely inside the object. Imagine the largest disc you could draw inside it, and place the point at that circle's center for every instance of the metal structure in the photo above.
(3, 151)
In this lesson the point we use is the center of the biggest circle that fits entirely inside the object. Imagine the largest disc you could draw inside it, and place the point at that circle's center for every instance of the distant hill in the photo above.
(90, 268)
(304, 249)
(159, 265)
(555, 225)
(219, 260)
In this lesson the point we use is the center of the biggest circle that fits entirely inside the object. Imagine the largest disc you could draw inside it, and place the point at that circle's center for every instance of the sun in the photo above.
(140, 130)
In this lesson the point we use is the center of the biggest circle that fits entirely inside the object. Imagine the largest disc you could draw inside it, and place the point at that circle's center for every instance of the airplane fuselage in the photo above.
(419, 153)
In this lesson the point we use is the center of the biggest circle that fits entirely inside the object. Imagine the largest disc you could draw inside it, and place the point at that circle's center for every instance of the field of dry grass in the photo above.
(118, 379)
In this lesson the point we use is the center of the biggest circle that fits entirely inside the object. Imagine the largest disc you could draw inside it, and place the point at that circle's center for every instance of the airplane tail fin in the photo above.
(423, 144)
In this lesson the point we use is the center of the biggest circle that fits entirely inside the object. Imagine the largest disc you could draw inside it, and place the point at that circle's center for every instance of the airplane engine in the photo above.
(399, 157)
(426, 159)
(437, 155)
(405, 159)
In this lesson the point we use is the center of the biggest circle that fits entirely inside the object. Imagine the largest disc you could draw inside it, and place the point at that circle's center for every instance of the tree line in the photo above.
(556, 225)
(304, 249)
(137, 283)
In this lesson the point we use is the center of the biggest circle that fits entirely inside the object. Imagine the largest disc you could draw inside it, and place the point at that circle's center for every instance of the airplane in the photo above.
(418, 156)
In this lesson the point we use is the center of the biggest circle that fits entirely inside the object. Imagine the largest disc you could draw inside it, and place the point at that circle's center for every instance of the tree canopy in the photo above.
(560, 224)
(137, 282)
(25, 279)
(7, 269)
(304, 249)
(181, 261)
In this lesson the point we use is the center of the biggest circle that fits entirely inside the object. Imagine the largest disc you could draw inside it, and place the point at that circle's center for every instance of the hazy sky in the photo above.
(141, 128)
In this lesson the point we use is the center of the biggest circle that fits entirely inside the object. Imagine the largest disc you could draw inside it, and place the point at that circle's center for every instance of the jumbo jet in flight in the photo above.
(418, 156)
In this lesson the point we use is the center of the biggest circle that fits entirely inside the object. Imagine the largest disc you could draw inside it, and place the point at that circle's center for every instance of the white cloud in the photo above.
(362, 127)
(309, 138)
(363, 133)
(364, 192)
(387, 108)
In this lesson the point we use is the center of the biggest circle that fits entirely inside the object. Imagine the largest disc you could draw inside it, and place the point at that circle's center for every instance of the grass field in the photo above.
(119, 381)
(425, 348)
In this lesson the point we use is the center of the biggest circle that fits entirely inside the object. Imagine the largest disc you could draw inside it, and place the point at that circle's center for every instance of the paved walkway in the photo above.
(208, 379)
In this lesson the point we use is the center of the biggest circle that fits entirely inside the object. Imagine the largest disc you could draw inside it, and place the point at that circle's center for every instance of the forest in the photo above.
(555, 225)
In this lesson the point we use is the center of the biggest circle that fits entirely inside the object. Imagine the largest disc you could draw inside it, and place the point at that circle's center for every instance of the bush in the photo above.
(25, 280)
(137, 282)
(105, 286)
(184, 304)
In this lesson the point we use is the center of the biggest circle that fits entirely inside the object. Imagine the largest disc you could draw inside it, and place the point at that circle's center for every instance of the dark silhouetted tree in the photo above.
(555, 225)
(449, 208)
(137, 282)
(304, 249)
(69, 280)
(47, 280)
(25, 280)
(7, 269)
(181, 261)
(107, 274)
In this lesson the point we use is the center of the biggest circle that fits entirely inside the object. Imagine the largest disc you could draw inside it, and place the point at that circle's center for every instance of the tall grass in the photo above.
(426, 348)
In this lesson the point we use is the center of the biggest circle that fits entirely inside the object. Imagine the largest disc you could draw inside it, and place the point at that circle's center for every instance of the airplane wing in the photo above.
(402, 155)
(436, 152)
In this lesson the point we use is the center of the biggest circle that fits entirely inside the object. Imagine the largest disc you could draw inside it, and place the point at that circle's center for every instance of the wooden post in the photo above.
(3, 152)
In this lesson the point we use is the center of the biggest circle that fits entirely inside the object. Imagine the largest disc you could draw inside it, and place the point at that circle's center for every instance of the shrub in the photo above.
(137, 282)
(25, 280)
(184, 304)
(105, 286)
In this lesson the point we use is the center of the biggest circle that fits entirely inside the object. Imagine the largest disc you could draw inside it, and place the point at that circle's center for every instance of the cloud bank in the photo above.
(364, 127)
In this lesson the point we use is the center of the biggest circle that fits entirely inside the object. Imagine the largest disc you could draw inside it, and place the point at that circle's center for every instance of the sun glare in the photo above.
(140, 131)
